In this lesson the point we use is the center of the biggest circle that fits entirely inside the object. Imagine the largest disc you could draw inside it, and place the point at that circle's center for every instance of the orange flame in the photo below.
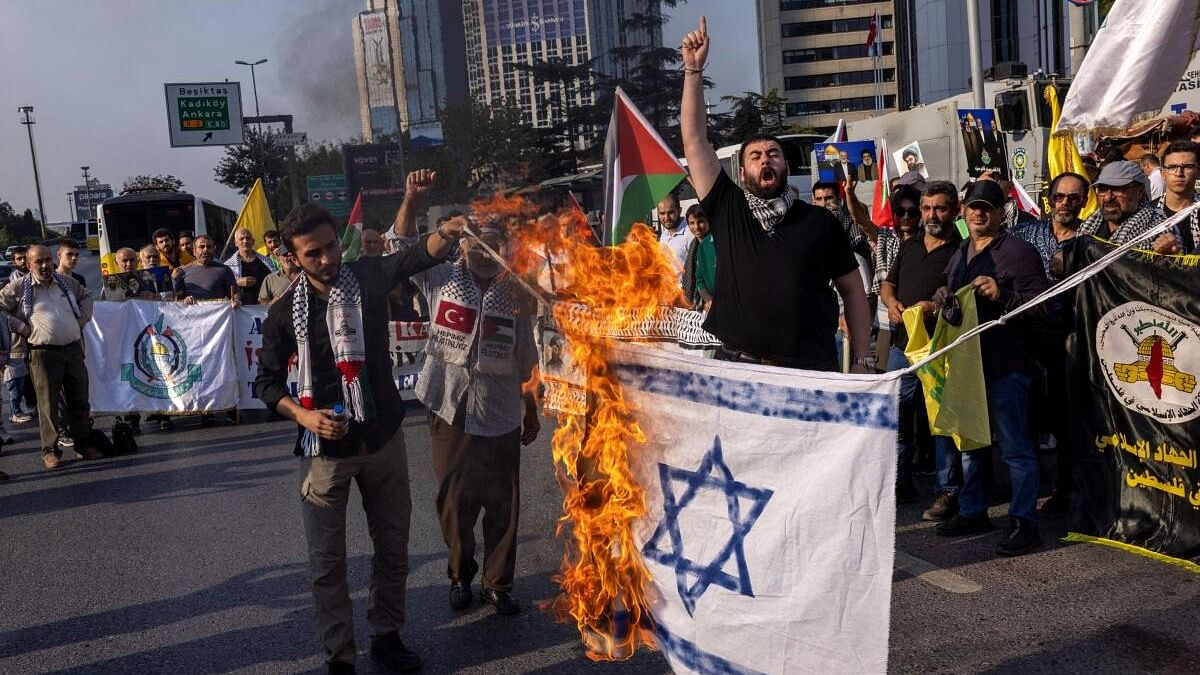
(602, 575)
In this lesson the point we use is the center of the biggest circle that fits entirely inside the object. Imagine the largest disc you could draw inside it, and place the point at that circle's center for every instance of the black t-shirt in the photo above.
(917, 273)
(773, 298)
(255, 268)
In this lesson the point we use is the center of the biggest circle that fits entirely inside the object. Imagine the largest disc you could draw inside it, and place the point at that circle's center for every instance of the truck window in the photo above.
(1012, 110)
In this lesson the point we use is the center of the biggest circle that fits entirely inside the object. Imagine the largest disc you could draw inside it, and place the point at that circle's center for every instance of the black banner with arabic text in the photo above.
(1135, 403)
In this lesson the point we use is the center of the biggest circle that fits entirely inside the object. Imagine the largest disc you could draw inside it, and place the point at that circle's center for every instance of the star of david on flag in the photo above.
(666, 544)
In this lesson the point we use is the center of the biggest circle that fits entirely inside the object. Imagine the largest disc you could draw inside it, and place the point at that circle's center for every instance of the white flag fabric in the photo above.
(145, 356)
(1133, 65)
(770, 519)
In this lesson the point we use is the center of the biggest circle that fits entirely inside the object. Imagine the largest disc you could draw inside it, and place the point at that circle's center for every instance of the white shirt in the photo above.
(1157, 184)
(676, 241)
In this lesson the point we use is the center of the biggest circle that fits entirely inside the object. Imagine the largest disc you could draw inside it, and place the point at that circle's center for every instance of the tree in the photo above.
(18, 229)
(258, 157)
(151, 183)
(485, 148)
(754, 113)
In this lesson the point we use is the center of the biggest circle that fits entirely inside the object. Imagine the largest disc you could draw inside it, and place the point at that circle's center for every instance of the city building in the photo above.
(502, 33)
(410, 60)
(814, 51)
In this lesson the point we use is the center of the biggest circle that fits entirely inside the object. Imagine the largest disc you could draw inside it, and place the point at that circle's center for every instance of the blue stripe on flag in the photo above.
(688, 655)
(861, 409)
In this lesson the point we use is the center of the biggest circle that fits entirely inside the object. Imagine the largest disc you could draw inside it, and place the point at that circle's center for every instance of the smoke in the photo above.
(317, 69)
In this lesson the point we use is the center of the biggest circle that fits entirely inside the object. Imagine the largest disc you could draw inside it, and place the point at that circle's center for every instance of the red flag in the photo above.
(881, 208)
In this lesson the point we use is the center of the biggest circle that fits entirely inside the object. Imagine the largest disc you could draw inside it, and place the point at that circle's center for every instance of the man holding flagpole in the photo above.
(349, 413)
(776, 254)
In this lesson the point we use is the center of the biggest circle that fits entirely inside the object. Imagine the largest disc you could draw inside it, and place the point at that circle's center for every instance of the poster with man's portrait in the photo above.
(852, 159)
(983, 142)
(909, 158)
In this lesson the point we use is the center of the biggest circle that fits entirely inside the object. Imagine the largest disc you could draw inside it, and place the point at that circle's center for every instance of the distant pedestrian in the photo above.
(54, 309)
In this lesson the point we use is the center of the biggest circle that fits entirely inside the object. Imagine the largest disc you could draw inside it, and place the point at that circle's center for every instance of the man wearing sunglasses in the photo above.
(1181, 164)
(1068, 195)
(1125, 211)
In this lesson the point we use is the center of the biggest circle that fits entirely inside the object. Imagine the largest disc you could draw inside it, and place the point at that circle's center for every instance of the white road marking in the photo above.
(932, 574)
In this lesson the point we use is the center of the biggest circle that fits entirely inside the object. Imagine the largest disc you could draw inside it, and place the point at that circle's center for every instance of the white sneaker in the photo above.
(20, 418)
(65, 441)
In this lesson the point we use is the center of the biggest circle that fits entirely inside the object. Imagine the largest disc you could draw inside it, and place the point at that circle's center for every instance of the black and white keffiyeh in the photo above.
(1137, 223)
(768, 212)
(1190, 240)
(235, 263)
(462, 313)
(27, 294)
(344, 318)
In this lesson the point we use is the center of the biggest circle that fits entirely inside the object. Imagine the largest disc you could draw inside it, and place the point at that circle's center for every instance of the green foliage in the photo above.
(18, 228)
(753, 113)
(151, 183)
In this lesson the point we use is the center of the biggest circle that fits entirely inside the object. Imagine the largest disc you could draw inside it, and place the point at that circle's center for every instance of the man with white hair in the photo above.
(249, 266)
(54, 309)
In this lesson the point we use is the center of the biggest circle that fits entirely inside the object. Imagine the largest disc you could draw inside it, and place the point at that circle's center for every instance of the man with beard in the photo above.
(866, 168)
(480, 351)
(1068, 194)
(1181, 165)
(1004, 272)
(168, 254)
(349, 414)
(1125, 211)
(913, 278)
(776, 254)
(205, 278)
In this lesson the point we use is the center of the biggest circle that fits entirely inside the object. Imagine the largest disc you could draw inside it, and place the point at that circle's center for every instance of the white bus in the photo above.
(129, 220)
(797, 150)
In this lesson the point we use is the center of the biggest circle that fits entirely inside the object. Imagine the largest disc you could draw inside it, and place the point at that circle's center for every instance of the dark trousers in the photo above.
(55, 370)
(382, 478)
(477, 473)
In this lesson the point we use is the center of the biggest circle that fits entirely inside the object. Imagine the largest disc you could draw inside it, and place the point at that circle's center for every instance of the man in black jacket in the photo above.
(334, 323)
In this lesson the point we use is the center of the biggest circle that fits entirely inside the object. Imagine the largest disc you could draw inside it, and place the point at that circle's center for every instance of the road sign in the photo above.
(290, 139)
(330, 191)
(204, 113)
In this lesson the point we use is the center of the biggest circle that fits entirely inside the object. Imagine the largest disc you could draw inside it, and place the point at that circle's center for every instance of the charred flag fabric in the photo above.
(769, 530)
(1136, 403)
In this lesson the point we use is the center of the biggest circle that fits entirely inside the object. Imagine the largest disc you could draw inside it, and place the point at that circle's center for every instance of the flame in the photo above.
(602, 576)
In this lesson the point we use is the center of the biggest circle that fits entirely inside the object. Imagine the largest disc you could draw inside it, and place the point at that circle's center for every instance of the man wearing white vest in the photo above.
(480, 351)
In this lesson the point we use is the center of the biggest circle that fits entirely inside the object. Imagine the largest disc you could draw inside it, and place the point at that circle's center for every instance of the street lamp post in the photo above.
(87, 191)
(253, 83)
(26, 113)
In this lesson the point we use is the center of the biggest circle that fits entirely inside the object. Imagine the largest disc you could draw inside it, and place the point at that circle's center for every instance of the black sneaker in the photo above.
(1056, 505)
(390, 651)
(1022, 538)
(944, 507)
(906, 493)
(341, 668)
(501, 600)
(460, 595)
(960, 525)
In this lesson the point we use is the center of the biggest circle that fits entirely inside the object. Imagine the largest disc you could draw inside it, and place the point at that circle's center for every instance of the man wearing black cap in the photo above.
(1125, 209)
(1005, 273)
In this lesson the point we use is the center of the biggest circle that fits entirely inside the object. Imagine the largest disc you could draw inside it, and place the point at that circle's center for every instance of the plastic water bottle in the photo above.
(339, 414)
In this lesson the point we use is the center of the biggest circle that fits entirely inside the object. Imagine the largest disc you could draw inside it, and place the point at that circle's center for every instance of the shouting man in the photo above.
(776, 254)
(334, 323)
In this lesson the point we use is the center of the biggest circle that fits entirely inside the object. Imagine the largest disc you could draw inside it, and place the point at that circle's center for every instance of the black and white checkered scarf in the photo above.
(1138, 222)
(768, 212)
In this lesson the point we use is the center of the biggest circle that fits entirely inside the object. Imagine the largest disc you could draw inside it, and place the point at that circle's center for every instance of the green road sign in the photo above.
(204, 113)
(329, 191)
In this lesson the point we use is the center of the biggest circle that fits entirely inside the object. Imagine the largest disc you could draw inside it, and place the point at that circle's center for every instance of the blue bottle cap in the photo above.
(338, 409)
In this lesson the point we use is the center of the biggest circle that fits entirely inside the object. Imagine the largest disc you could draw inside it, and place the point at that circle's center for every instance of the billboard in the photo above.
(86, 200)
(523, 21)
(378, 73)
(204, 113)
(373, 171)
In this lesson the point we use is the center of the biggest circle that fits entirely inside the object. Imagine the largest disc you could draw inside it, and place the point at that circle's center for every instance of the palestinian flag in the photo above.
(352, 237)
(881, 209)
(639, 170)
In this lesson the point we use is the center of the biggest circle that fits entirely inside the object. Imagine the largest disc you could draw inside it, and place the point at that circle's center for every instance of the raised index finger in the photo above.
(703, 26)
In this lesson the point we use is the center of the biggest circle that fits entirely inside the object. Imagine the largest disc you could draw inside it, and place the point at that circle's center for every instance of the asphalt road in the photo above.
(189, 558)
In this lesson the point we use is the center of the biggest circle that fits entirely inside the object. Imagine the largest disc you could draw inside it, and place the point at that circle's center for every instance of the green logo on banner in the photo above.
(160, 367)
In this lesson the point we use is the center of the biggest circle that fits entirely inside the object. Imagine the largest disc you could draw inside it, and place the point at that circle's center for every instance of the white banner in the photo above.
(769, 530)
(407, 349)
(145, 356)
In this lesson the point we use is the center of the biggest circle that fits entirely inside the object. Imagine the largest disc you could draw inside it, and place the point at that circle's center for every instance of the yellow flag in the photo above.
(256, 214)
(1061, 153)
(955, 393)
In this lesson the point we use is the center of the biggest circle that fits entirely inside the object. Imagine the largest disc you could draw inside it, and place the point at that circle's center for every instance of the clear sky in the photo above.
(94, 72)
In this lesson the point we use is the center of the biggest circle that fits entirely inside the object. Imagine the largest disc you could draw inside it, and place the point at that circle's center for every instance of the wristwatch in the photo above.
(867, 361)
